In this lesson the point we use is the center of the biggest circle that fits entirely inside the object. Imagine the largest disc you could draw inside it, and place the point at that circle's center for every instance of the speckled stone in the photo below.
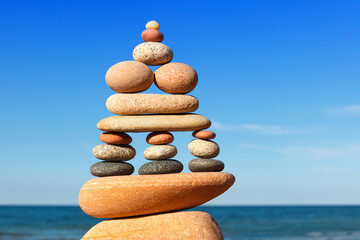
(203, 148)
(152, 25)
(176, 78)
(129, 77)
(154, 122)
(157, 138)
(153, 53)
(133, 104)
(114, 152)
(206, 165)
(116, 138)
(159, 152)
(107, 168)
(203, 134)
(152, 35)
(161, 167)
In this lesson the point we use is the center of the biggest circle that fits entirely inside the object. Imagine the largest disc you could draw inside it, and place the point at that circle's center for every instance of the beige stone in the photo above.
(191, 225)
(125, 196)
(114, 152)
(156, 122)
(203, 148)
(153, 53)
(159, 152)
(132, 104)
(152, 25)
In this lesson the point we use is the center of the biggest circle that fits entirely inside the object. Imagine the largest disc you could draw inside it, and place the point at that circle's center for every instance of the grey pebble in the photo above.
(206, 165)
(107, 168)
(114, 152)
(161, 167)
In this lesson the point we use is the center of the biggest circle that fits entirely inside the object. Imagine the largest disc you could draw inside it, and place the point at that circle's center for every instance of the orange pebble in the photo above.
(116, 138)
(204, 134)
(152, 35)
(157, 138)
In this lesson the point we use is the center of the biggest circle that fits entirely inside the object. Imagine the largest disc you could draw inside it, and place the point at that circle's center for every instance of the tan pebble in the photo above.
(126, 196)
(153, 53)
(129, 77)
(152, 35)
(204, 134)
(152, 25)
(114, 152)
(203, 148)
(156, 138)
(190, 225)
(160, 152)
(176, 78)
(116, 138)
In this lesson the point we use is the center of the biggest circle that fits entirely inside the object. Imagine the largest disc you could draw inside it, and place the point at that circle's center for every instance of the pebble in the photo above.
(116, 138)
(153, 53)
(161, 167)
(157, 138)
(206, 165)
(160, 152)
(203, 148)
(203, 134)
(198, 225)
(136, 195)
(133, 104)
(107, 168)
(176, 78)
(129, 77)
(152, 35)
(114, 152)
(152, 25)
(158, 122)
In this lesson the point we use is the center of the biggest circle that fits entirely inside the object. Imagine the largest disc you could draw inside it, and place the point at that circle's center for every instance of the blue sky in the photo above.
(279, 79)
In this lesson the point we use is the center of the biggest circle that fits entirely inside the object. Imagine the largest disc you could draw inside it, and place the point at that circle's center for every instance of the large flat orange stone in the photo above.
(125, 196)
(179, 225)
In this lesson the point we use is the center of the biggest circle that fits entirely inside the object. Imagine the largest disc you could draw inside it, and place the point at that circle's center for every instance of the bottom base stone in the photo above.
(178, 225)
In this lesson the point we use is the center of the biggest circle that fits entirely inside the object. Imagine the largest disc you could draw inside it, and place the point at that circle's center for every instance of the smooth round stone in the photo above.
(157, 138)
(204, 134)
(137, 103)
(203, 148)
(129, 77)
(160, 152)
(152, 25)
(176, 78)
(116, 138)
(153, 53)
(107, 168)
(198, 225)
(154, 122)
(152, 35)
(114, 152)
(161, 167)
(206, 165)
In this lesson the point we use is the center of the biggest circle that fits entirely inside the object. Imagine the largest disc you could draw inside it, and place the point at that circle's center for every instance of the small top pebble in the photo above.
(152, 25)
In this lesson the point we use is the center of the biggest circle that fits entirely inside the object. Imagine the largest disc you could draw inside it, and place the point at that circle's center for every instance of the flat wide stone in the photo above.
(156, 122)
(192, 225)
(125, 196)
(131, 104)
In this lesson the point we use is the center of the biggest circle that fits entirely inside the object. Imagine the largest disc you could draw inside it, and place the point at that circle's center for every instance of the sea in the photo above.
(236, 222)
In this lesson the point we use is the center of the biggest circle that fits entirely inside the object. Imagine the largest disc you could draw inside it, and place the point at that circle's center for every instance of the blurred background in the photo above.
(278, 79)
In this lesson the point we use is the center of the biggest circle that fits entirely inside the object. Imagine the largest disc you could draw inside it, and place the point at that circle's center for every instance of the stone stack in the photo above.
(144, 206)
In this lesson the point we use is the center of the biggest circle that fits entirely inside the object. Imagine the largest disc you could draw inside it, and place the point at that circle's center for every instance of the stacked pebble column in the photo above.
(148, 205)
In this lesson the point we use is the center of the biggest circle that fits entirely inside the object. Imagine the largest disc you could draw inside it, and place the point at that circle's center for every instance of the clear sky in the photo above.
(280, 81)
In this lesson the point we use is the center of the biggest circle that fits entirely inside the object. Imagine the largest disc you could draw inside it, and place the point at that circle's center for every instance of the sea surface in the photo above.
(245, 223)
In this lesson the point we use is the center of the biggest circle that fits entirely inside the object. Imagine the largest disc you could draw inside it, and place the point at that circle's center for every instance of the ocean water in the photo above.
(243, 223)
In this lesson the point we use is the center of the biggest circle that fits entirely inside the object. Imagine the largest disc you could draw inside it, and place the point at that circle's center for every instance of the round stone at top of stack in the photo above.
(115, 138)
(176, 78)
(129, 77)
(152, 25)
(204, 134)
(158, 138)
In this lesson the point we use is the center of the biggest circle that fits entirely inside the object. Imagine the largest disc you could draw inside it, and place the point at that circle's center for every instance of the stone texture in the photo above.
(156, 138)
(176, 78)
(107, 168)
(161, 167)
(116, 138)
(129, 77)
(152, 25)
(125, 196)
(190, 225)
(206, 165)
(203, 134)
(152, 35)
(114, 152)
(153, 53)
(132, 104)
(159, 152)
(203, 148)
(158, 122)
